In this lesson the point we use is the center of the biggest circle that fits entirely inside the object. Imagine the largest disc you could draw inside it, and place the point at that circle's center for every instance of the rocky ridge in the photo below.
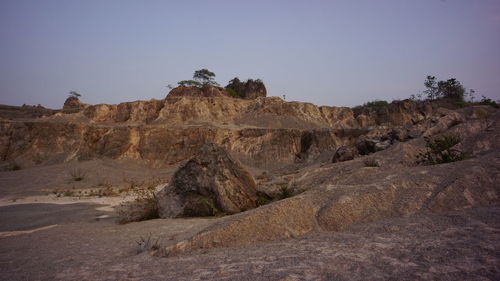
(164, 132)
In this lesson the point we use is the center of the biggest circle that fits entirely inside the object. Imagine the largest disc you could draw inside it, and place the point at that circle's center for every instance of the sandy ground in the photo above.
(43, 180)
(76, 245)
(44, 237)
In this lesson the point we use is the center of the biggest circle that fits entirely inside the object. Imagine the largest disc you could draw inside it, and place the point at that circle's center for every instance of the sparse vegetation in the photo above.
(214, 210)
(450, 89)
(189, 83)
(488, 101)
(148, 244)
(285, 192)
(77, 174)
(68, 193)
(440, 150)
(263, 199)
(205, 76)
(376, 103)
(239, 89)
(200, 77)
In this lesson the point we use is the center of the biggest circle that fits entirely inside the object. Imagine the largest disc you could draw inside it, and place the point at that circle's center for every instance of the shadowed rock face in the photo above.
(253, 90)
(208, 183)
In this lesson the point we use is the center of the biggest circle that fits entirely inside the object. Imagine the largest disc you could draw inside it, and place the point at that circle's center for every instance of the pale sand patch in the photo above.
(110, 202)
(6, 234)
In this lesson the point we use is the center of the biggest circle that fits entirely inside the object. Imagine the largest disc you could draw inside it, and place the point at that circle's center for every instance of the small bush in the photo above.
(68, 193)
(263, 199)
(488, 101)
(77, 174)
(214, 210)
(285, 192)
(440, 150)
(148, 244)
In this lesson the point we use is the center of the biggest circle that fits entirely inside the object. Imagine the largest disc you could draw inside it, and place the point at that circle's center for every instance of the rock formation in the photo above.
(262, 132)
(251, 89)
(73, 104)
(336, 196)
(209, 183)
(294, 142)
(206, 91)
(254, 89)
(344, 153)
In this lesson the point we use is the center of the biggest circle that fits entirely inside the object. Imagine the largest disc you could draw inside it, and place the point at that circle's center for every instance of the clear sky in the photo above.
(341, 53)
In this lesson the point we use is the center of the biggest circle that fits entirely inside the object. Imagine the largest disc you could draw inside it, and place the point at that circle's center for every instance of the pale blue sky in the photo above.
(339, 53)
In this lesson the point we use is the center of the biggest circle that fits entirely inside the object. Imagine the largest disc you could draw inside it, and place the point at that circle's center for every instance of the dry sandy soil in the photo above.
(63, 239)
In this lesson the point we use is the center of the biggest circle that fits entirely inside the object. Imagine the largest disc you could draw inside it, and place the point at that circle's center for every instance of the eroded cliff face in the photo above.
(262, 132)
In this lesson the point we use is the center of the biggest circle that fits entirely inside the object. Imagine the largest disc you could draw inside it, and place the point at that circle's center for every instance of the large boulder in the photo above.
(209, 183)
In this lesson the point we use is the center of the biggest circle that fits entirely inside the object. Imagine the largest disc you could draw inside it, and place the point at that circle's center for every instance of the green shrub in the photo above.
(285, 192)
(263, 199)
(440, 150)
(214, 210)
(239, 89)
(488, 101)
(189, 83)
(450, 89)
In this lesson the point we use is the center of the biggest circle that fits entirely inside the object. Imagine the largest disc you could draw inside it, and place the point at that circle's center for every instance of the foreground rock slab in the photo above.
(462, 245)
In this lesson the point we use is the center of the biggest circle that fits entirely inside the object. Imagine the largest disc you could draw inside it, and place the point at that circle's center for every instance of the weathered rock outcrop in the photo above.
(205, 91)
(335, 196)
(73, 104)
(262, 132)
(254, 90)
(208, 183)
(25, 111)
(251, 89)
(344, 153)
